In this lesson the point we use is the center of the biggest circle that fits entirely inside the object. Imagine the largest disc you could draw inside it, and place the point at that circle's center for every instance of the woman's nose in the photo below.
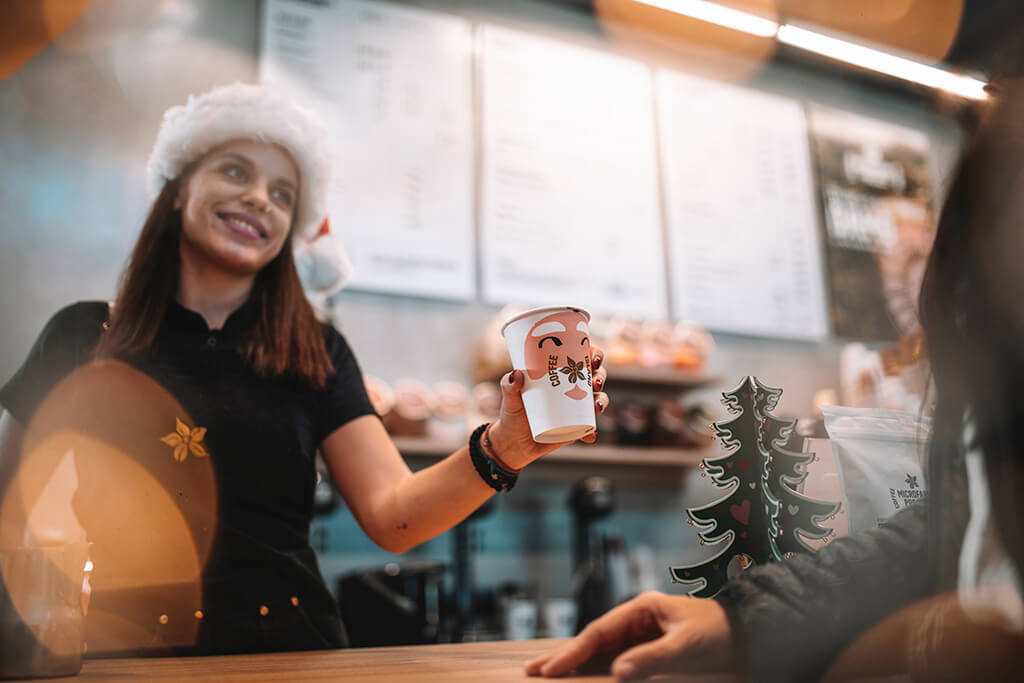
(256, 196)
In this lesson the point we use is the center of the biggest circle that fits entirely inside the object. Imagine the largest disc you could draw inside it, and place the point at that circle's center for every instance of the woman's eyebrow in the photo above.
(237, 157)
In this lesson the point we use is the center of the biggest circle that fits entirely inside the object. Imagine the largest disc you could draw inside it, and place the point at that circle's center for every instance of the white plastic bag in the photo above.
(881, 455)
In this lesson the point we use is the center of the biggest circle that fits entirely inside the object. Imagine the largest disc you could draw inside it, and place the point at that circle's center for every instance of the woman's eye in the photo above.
(234, 172)
(283, 197)
(540, 344)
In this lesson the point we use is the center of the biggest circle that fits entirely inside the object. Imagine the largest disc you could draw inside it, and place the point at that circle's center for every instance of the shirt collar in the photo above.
(180, 320)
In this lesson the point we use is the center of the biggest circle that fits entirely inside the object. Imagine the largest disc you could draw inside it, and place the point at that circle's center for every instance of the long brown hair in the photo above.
(286, 339)
(971, 315)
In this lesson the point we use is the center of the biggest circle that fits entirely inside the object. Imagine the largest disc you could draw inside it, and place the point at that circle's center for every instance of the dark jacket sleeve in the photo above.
(793, 619)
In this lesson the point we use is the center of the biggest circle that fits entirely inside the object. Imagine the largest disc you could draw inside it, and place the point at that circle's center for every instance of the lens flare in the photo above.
(149, 517)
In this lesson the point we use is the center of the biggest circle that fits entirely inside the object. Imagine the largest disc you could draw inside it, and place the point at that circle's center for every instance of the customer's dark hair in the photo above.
(972, 313)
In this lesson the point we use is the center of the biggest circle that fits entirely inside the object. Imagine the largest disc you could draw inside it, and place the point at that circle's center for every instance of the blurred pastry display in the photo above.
(675, 425)
(484, 403)
(381, 396)
(668, 423)
(448, 421)
(653, 344)
(656, 344)
(449, 410)
(491, 359)
(623, 343)
(633, 426)
(413, 404)
(691, 347)
(698, 429)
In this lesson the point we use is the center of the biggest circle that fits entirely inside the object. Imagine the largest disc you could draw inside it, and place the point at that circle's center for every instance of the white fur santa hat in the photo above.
(251, 112)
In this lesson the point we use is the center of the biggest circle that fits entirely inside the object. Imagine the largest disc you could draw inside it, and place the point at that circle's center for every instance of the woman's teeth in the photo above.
(242, 226)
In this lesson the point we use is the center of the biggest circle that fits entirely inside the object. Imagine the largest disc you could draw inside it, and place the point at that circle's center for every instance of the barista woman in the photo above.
(195, 403)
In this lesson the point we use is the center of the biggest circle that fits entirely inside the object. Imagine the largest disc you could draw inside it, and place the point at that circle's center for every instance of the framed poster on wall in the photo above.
(569, 193)
(393, 85)
(876, 190)
(744, 254)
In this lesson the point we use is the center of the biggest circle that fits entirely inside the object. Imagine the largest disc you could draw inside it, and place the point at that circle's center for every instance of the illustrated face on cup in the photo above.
(558, 347)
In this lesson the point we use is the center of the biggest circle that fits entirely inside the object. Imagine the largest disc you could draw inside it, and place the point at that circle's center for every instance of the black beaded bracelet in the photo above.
(491, 472)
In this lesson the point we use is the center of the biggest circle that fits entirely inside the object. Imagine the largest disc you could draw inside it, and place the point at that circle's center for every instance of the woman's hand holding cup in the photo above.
(551, 397)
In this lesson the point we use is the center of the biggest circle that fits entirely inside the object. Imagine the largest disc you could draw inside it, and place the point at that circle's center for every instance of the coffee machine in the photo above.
(590, 499)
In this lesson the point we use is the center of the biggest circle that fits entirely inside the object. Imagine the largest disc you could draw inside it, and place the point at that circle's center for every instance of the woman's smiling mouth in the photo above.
(244, 225)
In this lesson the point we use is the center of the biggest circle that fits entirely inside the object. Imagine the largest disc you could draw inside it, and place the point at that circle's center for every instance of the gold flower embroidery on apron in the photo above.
(184, 440)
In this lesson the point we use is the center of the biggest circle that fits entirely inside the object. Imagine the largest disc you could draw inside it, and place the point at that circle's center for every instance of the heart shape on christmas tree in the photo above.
(741, 513)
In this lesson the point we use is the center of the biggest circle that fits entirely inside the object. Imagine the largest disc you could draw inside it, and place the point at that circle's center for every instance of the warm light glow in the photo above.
(834, 48)
(882, 62)
(95, 466)
(718, 14)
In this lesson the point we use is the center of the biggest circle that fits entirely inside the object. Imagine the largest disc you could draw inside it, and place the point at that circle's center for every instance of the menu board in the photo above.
(393, 85)
(569, 205)
(744, 252)
(876, 189)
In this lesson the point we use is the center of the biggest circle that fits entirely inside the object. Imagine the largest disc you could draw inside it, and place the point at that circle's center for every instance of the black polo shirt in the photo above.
(195, 481)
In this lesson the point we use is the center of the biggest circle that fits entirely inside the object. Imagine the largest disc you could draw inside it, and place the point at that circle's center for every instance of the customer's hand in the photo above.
(511, 434)
(651, 634)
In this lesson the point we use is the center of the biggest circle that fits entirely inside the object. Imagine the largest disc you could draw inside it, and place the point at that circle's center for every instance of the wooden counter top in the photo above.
(495, 662)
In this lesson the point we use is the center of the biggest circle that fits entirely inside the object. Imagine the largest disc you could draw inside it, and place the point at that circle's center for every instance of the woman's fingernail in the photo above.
(600, 406)
(598, 384)
(596, 363)
(512, 377)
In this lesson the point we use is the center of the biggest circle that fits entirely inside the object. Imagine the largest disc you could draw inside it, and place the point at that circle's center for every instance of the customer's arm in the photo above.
(790, 620)
(778, 622)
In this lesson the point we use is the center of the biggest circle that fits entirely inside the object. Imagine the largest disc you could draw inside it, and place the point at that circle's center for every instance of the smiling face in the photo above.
(237, 206)
(558, 346)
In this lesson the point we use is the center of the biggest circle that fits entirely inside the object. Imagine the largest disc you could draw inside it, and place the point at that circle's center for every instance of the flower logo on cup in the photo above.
(575, 371)
(558, 346)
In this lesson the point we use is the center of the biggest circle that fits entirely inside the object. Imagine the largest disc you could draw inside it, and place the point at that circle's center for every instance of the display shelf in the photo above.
(593, 453)
(667, 377)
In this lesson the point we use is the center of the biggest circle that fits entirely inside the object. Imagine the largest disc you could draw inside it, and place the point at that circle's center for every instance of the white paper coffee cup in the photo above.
(551, 346)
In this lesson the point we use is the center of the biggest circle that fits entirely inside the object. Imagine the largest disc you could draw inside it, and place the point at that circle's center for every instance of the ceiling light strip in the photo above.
(833, 48)
(718, 14)
(882, 62)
